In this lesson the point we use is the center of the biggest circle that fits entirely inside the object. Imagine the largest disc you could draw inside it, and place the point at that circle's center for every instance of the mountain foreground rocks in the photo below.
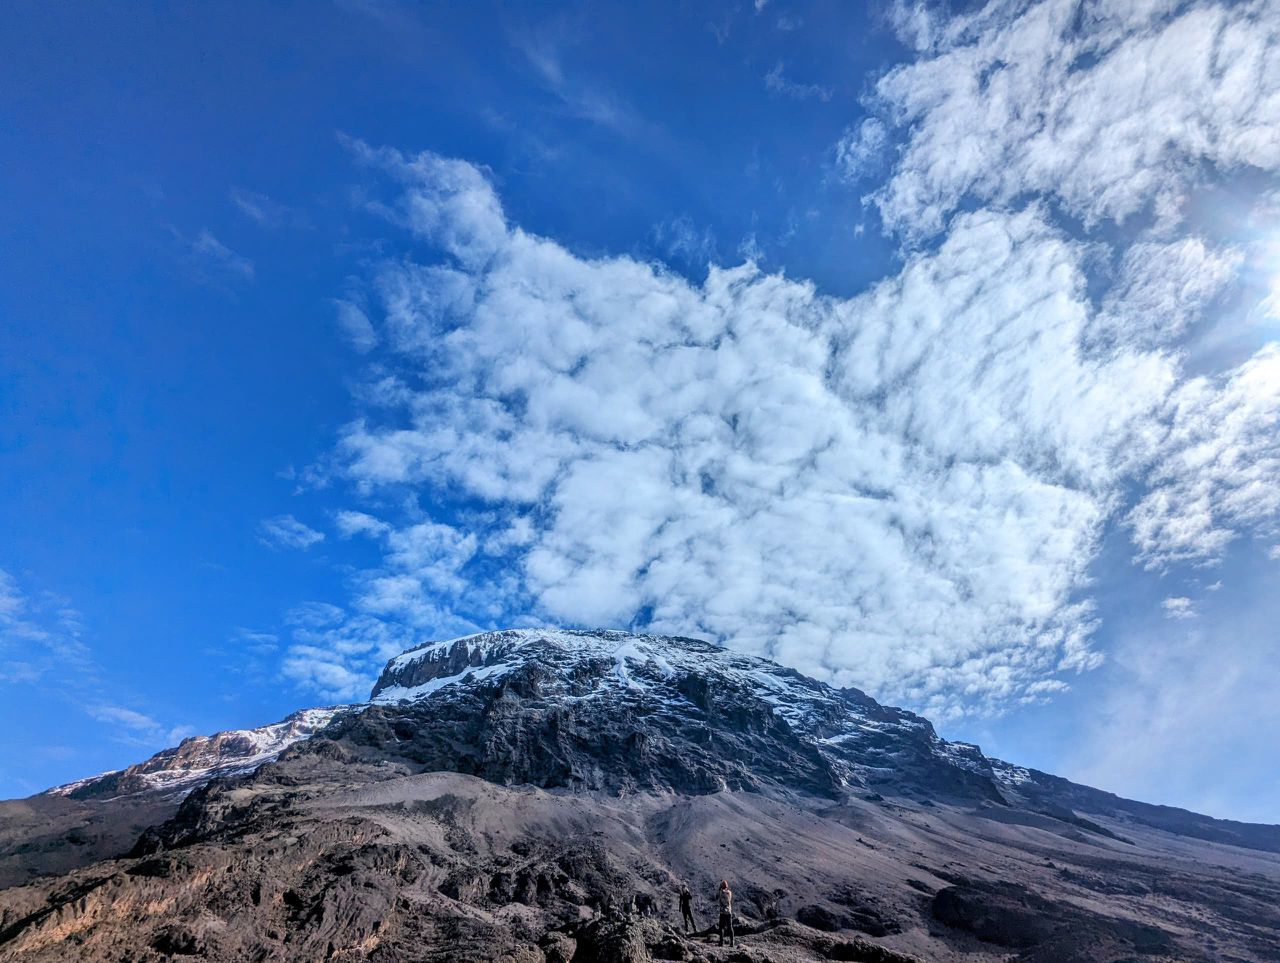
(539, 796)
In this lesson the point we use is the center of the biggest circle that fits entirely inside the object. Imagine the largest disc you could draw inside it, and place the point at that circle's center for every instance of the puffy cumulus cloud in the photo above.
(451, 202)
(1107, 106)
(1218, 473)
(901, 490)
(1161, 288)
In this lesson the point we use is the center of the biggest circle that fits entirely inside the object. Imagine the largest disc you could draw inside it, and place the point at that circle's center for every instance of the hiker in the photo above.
(725, 898)
(686, 909)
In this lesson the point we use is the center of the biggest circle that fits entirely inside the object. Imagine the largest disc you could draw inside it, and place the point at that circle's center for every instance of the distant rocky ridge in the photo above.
(623, 711)
(198, 759)
(508, 795)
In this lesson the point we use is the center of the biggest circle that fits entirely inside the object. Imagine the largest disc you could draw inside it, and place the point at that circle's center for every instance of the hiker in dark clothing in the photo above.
(725, 898)
(686, 909)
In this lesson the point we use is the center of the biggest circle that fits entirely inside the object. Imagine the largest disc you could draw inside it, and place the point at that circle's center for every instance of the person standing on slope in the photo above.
(725, 898)
(686, 909)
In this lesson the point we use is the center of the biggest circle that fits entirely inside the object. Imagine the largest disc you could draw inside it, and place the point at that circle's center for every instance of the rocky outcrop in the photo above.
(317, 858)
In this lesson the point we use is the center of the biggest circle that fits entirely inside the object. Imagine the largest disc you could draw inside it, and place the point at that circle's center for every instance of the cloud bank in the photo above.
(902, 490)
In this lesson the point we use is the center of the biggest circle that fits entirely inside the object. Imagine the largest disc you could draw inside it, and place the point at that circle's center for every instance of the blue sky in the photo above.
(926, 351)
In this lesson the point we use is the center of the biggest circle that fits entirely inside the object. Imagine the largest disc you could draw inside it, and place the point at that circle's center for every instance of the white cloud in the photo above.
(212, 262)
(259, 207)
(40, 634)
(41, 642)
(1162, 287)
(337, 654)
(681, 239)
(128, 718)
(285, 531)
(862, 148)
(1106, 108)
(588, 99)
(359, 523)
(355, 325)
(1218, 473)
(778, 82)
(1178, 607)
(902, 490)
(135, 728)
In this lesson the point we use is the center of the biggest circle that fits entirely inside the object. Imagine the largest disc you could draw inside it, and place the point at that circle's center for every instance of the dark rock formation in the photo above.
(540, 796)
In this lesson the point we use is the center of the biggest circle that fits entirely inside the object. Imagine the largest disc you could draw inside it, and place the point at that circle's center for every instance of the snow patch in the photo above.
(399, 693)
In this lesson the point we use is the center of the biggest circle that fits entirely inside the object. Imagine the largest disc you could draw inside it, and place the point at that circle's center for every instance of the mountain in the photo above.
(198, 759)
(511, 795)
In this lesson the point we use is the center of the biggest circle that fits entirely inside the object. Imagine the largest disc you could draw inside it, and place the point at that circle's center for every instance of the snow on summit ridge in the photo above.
(621, 712)
(197, 759)
(639, 662)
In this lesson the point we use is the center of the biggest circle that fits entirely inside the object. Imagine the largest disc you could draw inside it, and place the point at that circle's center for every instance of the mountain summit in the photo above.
(515, 794)
(620, 712)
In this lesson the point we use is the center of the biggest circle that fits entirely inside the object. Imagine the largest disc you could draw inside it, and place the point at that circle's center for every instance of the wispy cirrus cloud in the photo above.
(285, 531)
(355, 325)
(39, 634)
(42, 645)
(259, 207)
(589, 100)
(1218, 470)
(776, 81)
(1194, 694)
(209, 261)
(862, 148)
(136, 728)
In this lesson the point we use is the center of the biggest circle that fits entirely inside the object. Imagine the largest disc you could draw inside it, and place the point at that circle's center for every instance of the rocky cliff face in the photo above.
(511, 795)
(619, 712)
